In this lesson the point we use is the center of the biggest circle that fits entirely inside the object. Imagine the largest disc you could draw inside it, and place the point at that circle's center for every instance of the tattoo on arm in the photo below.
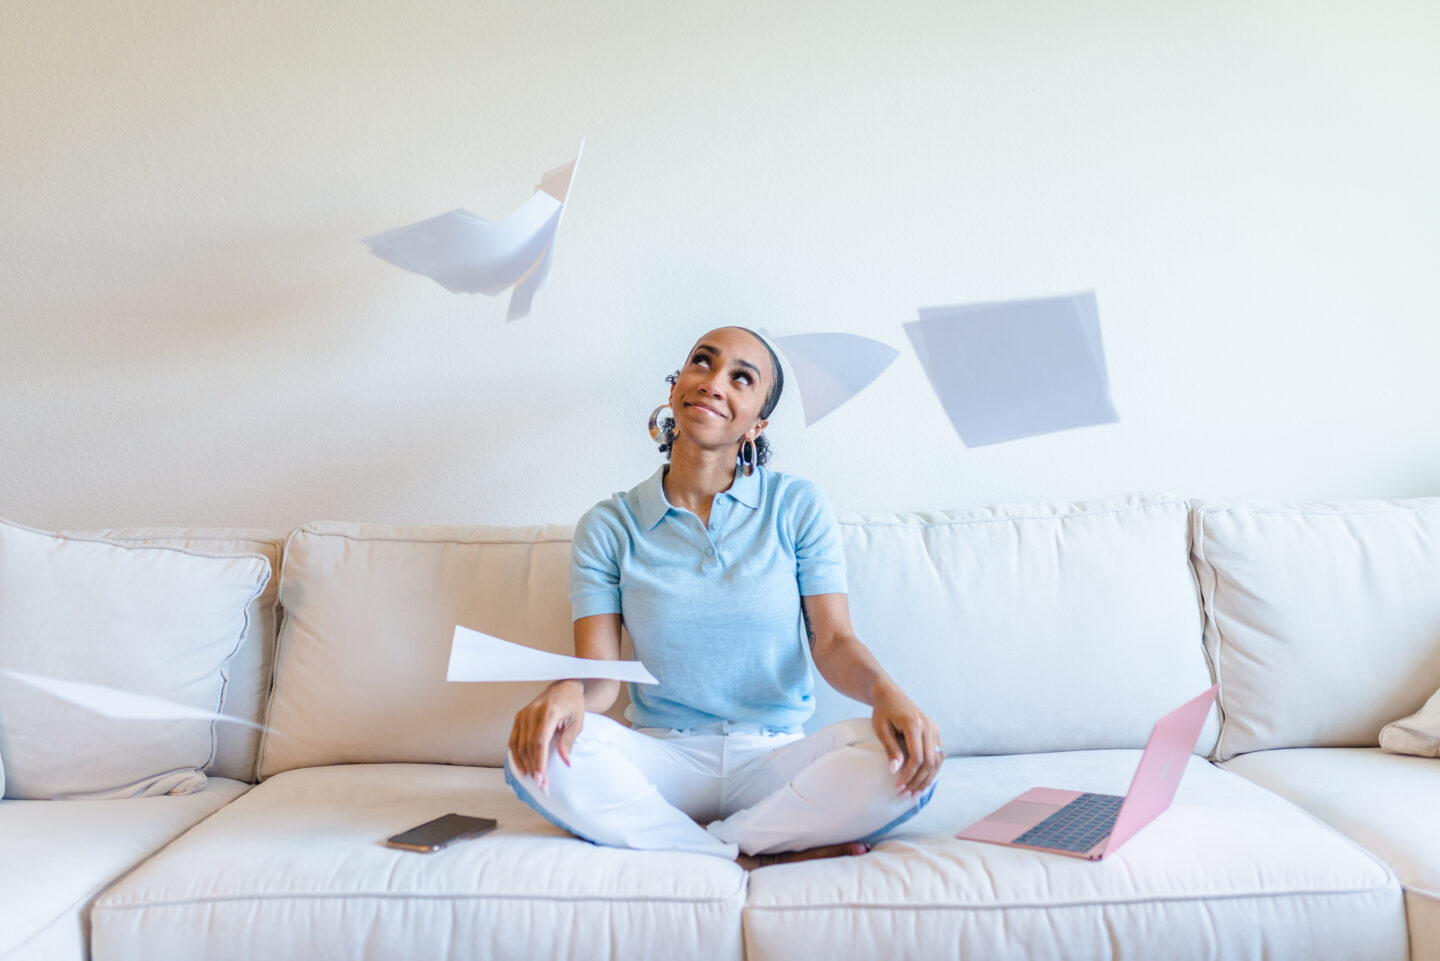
(809, 631)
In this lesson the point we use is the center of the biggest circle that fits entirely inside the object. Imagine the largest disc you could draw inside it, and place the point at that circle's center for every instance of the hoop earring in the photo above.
(748, 457)
(656, 434)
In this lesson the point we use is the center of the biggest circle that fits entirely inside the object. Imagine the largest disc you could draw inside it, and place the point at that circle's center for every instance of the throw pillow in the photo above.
(247, 676)
(1417, 734)
(158, 621)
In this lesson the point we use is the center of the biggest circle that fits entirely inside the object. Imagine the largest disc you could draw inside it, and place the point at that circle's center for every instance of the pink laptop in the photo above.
(1090, 826)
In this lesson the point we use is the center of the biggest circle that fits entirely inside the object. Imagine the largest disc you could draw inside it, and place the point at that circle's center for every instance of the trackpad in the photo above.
(1023, 812)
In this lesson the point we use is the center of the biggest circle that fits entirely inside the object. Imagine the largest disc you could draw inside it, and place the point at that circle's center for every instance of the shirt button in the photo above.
(709, 552)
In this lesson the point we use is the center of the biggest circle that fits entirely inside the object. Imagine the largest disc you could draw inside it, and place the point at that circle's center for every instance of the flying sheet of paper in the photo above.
(123, 705)
(465, 253)
(479, 657)
(1016, 369)
(831, 368)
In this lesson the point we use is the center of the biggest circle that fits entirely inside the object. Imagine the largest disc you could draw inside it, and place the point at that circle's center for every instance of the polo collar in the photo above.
(651, 501)
(744, 489)
(653, 505)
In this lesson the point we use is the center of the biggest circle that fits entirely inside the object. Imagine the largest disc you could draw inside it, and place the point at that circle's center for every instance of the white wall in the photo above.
(194, 334)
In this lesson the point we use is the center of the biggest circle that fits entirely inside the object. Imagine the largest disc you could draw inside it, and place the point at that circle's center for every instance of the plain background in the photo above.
(194, 334)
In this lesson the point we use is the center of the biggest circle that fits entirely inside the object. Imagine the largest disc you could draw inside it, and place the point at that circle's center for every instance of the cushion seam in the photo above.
(1027, 905)
(267, 693)
(120, 543)
(282, 615)
(216, 539)
(420, 540)
(1208, 616)
(1210, 662)
(1299, 510)
(225, 662)
(392, 896)
(843, 522)
(78, 902)
(1016, 517)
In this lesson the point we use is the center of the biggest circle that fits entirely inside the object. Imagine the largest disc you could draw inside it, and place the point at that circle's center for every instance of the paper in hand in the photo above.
(1016, 369)
(122, 705)
(831, 367)
(465, 253)
(479, 657)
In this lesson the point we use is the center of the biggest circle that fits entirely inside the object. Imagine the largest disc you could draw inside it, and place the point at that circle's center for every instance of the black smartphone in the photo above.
(441, 832)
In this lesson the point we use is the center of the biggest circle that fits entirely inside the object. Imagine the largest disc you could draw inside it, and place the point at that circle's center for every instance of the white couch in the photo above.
(1044, 639)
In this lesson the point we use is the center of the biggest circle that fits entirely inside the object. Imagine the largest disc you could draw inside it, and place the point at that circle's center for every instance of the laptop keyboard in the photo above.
(1078, 826)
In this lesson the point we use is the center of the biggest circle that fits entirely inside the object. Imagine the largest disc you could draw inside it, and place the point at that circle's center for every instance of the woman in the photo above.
(712, 564)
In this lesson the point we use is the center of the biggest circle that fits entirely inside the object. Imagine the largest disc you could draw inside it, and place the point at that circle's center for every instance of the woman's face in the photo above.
(721, 389)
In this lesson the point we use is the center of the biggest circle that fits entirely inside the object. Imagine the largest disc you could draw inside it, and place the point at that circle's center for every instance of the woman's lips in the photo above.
(709, 410)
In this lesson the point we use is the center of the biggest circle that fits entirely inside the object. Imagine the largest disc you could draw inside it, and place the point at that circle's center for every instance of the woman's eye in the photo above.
(700, 359)
(744, 379)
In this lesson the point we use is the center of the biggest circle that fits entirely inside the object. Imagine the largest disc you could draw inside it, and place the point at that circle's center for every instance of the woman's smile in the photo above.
(697, 406)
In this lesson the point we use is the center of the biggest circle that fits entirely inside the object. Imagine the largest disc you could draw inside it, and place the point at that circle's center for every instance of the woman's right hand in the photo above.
(557, 714)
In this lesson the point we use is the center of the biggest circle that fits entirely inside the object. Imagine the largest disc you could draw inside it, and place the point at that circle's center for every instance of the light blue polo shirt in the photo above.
(714, 611)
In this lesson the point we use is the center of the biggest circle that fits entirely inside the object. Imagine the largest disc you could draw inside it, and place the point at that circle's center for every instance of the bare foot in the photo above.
(752, 861)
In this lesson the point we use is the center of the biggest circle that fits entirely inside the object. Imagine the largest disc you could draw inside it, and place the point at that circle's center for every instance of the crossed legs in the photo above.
(758, 794)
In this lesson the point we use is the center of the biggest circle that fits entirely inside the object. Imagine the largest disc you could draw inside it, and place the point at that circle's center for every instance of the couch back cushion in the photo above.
(247, 674)
(145, 620)
(1034, 627)
(1322, 619)
(368, 615)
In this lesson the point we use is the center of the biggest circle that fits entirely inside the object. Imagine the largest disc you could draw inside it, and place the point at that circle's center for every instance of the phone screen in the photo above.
(445, 830)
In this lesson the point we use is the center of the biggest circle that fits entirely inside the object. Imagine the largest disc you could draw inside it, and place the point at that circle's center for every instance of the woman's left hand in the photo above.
(910, 738)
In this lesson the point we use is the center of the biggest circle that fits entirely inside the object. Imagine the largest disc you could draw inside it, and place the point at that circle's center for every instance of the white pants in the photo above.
(759, 793)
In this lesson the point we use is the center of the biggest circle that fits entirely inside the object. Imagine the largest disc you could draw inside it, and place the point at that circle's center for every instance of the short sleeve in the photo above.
(595, 565)
(819, 553)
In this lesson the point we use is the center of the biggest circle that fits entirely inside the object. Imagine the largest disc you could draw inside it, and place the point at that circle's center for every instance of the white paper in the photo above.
(123, 705)
(830, 368)
(465, 253)
(1016, 369)
(479, 657)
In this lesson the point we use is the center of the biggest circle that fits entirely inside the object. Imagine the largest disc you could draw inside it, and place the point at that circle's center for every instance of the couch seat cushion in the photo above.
(1230, 871)
(296, 869)
(1386, 802)
(58, 855)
